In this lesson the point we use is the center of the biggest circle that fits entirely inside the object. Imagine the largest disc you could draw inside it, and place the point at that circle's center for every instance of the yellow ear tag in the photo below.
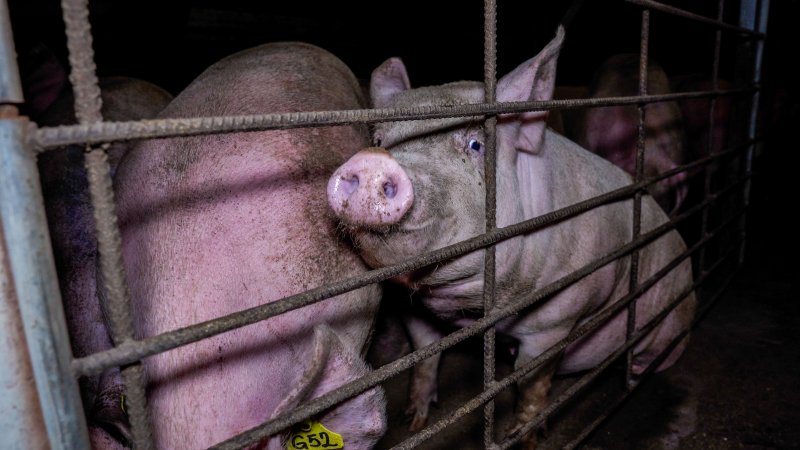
(312, 435)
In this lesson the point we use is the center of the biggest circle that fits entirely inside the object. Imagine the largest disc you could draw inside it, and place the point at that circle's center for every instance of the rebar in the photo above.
(52, 137)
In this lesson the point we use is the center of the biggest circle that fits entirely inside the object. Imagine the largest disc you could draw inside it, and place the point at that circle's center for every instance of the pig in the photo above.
(612, 131)
(72, 232)
(216, 224)
(422, 189)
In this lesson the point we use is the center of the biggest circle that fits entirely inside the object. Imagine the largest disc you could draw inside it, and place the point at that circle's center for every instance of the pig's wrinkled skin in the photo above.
(72, 231)
(216, 224)
(538, 171)
(612, 131)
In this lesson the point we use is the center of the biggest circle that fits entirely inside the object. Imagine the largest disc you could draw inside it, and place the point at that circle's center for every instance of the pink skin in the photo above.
(538, 171)
(370, 189)
(216, 224)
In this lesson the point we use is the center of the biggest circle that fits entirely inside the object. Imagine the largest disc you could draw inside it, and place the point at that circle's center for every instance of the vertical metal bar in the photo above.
(40, 400)
(10, 88)
(490, 82)
(637, 198)
(22, 423)
(87, 110)
(711, 167)
(752, 16)
(33, 271)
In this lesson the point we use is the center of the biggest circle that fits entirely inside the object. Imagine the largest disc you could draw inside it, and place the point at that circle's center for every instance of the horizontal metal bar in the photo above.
(51, 137)
(657, 6)
(607, 412)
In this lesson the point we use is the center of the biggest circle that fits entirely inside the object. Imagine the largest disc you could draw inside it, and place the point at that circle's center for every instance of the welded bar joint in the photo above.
(88, 106)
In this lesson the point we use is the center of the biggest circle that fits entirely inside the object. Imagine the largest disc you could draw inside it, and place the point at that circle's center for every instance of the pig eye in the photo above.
(475, 145)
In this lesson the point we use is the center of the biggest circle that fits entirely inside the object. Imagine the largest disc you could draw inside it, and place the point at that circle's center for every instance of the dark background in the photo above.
(170, 42)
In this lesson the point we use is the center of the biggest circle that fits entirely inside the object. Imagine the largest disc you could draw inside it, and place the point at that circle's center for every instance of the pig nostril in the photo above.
(390, 189)
(349, 184)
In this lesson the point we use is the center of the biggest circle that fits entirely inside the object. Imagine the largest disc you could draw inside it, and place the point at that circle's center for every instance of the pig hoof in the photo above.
(417, 413)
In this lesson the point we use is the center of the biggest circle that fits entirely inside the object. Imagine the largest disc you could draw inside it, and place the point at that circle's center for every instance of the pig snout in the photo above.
(370, 189)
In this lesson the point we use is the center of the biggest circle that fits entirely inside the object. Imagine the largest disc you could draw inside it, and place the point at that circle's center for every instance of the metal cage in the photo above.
(52, 415)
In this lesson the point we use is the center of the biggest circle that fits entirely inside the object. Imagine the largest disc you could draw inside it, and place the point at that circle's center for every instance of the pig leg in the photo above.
(424, 379)
(533, 389)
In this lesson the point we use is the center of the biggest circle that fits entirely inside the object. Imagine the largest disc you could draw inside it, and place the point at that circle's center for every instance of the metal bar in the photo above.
(117, 306)
(490, 182)
(10, 87)
(81, 58)
(129, 352)
(22, 423)
(33, 272)
(51, 137)
(695, 17)
(710, 169)
(633, 280)
(748, 8)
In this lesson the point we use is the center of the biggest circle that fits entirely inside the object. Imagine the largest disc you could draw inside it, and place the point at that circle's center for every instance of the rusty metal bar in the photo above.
(88, 104)
(490, 182)
(51, 137)
(30, 260)
(633, 280)
(129, 352)
(695, 17)
(10, 87)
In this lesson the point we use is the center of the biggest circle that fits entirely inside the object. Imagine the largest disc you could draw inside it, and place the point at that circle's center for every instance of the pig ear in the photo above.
(533, 80)
(332, 364)
(387, 80)
(312, 374)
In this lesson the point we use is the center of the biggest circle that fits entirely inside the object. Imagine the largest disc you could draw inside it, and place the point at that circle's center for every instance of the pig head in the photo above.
(420, 188)
(216, 224)
(612, 131)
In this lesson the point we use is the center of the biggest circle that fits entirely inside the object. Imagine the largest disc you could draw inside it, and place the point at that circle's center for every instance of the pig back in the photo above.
(216, 224)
